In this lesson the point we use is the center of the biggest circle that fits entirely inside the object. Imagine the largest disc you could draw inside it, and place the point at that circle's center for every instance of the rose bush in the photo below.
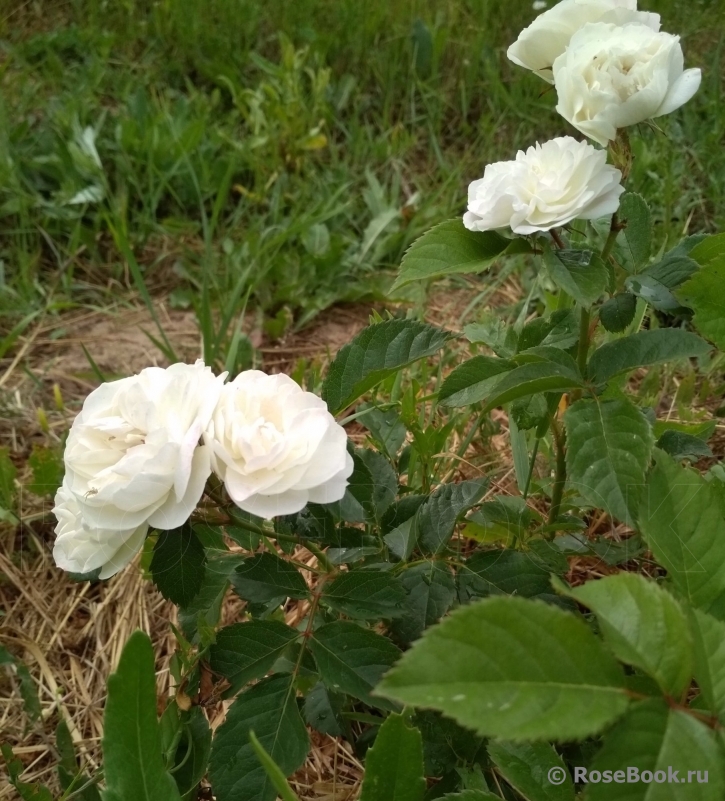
(548, 36)
(275, 446)
(475, 630)
(611, 77)
(547, 186)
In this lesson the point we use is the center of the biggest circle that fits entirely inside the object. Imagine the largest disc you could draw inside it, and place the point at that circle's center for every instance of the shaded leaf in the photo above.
(580, 273)
(608, 450)
(431, 591)
(365, 594)
(246, 651)
(705, 294)
(526, 767)
(436, 519)
(265, 577)
(683, 446)
(352, 659)
(655, 738)
(269, 709)
(322, 710)
(634, 215)
(394, 764)
(618, 312)
(178, 564)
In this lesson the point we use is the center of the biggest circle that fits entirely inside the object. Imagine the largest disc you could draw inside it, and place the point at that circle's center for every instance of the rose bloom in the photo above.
(547, 186)
(82, 548)
(133, 454)
(276, 447)
(548, 36)
(611, 77)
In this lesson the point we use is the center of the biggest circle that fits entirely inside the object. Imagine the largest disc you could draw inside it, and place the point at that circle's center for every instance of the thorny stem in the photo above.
(556, 236)
(560, 477)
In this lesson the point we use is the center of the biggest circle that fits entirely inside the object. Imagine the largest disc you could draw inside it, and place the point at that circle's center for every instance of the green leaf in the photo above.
(378, 351)
(705, 294)
(365, 594)
(192, 753)
(384, 484)
(526, 767)
(618, 312)
(704, 249)
(394, 764)
(352, 659)
(276, 776)
(540, 376)
(580, 273)
(446, 744)
(265, 578)
(246, 651)
(683, 446)
(48, 469)
(654, 292)
(8, 471)
(28, 792)
(206, 606)
(471, 795)
(132, 762)
(495, 332)
(608, 450)
(449, 248)
(654, 737)
(431, 591)
(643, 625)
(177, 565)
(269, 709)
(322, 710)
(682, 522)
(435, 520)
(642, 350)
(399, 525)
(473, 380)
(512, 668)
(385, 426)
(635, 217)
(709, 656)
(506, 572)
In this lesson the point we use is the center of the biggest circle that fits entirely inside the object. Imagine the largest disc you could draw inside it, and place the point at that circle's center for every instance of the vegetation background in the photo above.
(195, 158)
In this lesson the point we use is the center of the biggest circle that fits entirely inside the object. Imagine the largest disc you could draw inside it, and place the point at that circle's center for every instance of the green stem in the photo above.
(583, 350)
(560, 478)
(320, 554)
(614, 229)
(532, 463)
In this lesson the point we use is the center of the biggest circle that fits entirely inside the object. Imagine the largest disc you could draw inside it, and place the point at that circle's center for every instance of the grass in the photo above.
(217, 150)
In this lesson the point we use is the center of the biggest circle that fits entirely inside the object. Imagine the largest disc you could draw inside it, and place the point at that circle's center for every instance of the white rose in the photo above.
(83, 548)
(548, 36)
(276, 447)
(547, 186)
(611, 77)
(133, 454)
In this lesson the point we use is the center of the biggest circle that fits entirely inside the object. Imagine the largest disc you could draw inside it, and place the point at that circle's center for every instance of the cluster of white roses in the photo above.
(140, 452)
(611, 67)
